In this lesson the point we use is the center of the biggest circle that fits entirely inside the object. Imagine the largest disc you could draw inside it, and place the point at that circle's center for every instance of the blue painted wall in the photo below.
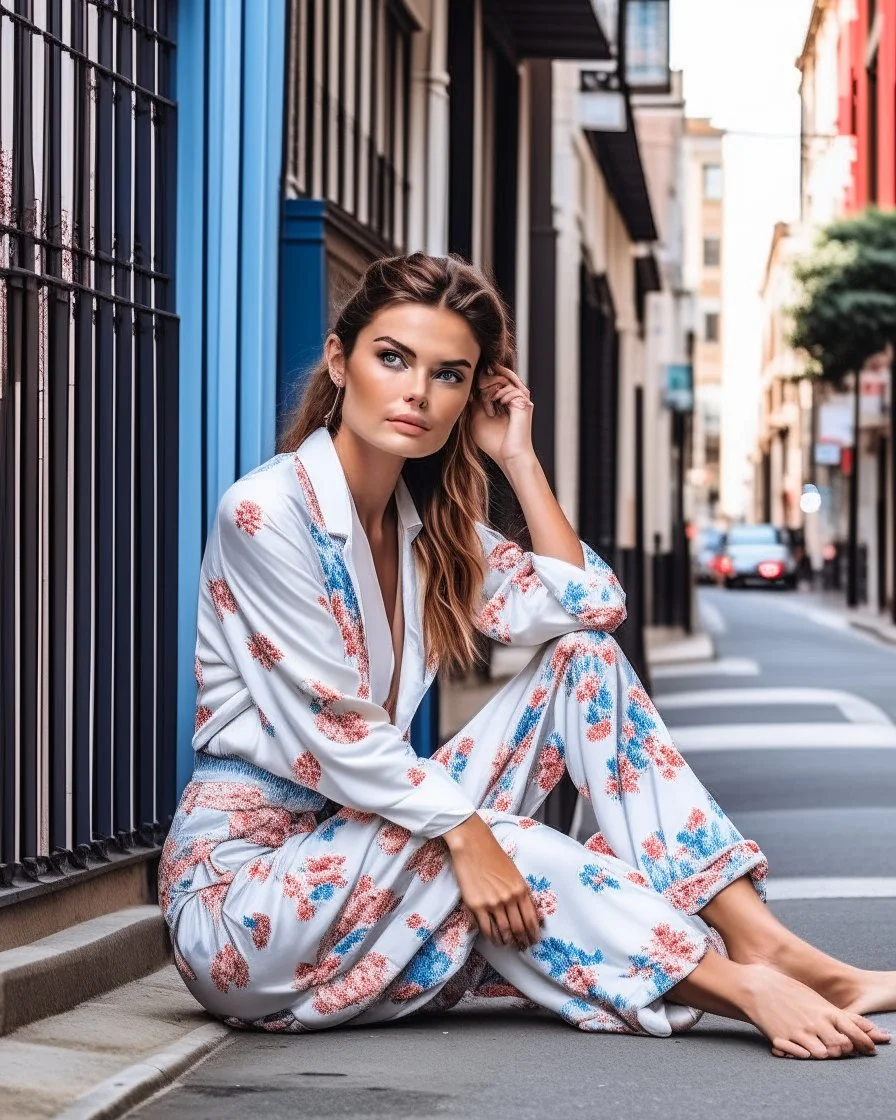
(303, 294)
(230, 82)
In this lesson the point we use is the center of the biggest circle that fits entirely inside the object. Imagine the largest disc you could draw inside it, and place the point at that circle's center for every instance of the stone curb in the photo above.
(885, 632)
(57, 972)
(124, 1091)
(685, 651)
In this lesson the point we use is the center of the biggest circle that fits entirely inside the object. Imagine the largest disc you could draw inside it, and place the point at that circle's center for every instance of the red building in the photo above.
(867, 109)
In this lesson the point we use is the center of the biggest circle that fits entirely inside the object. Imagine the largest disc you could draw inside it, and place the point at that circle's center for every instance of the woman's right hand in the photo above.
(490, 885)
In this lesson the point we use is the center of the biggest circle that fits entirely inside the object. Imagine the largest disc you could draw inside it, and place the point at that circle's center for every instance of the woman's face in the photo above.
(408, 379)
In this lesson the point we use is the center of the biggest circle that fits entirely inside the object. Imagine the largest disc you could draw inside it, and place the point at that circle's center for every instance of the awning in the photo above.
(563, 29)
(619, 158)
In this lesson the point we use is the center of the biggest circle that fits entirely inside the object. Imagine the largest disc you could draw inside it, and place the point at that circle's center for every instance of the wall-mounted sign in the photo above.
(601, 100)
(827, 454)
(678, 392)
(647, 46)
(835, 420)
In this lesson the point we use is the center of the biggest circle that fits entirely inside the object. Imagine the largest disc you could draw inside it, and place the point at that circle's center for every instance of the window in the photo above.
(349, 110)
(754, 534)
(712, 182)
(712, 252)
(711, 326)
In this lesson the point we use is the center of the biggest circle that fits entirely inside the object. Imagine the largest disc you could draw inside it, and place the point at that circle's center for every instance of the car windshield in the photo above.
(753, 534)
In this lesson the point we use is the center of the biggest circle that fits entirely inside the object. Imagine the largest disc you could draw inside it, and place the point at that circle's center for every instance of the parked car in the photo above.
(757, 554)
(707, 550)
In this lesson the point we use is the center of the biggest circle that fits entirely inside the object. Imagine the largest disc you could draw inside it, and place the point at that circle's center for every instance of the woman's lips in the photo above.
(408, 428)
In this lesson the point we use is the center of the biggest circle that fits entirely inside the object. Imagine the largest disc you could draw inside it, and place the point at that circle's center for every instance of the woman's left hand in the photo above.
(502, 416)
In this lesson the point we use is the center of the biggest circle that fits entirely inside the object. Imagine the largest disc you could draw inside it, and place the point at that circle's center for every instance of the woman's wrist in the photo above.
(464, 834)
(519, 467)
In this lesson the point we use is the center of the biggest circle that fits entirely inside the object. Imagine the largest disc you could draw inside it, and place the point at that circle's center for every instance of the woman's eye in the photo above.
(452, 375)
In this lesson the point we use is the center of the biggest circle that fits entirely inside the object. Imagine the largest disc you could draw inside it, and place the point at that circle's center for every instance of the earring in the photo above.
(328, 419)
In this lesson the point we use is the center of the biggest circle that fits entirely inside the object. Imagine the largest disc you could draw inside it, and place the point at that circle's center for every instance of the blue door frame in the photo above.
(230, 80)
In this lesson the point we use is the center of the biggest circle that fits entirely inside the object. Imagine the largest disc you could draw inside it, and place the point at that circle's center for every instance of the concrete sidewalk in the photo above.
(108, 1054)
(865, 617)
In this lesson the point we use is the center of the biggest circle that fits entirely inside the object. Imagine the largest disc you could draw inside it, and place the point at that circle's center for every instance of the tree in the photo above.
(847, 309)
(846, 315)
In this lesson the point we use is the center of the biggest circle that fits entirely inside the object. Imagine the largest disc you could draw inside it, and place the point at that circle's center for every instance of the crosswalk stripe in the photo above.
(856, 709)
(724, 667)
(780, 890)
(777, 736)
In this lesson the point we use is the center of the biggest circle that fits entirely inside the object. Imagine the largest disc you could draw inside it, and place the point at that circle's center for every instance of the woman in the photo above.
(318, 872)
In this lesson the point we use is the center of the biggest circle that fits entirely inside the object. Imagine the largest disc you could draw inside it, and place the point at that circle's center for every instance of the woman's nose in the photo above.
(416, 387)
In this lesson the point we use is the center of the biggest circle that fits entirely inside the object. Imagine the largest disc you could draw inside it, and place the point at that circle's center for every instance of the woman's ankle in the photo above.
(716, 985)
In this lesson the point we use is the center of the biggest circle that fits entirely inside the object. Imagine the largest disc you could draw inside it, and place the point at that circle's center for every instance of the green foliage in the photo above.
(847, 306)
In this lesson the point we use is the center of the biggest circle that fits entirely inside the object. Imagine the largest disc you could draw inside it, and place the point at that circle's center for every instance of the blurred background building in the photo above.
(847, 88)
(704, 216)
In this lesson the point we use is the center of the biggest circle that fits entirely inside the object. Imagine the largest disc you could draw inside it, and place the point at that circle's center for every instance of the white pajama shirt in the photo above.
(304, 879)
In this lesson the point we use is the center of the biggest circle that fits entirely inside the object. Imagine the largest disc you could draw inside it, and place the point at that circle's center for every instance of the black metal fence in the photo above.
(88, 431)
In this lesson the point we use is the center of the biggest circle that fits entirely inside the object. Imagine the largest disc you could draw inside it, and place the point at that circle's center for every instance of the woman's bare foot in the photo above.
(853, 989)
(753, 935)
(800, 1023)
(797, 1021)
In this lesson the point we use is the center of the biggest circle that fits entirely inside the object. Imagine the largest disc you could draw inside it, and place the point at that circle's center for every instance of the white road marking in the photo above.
(712, 618)
(777, 736)
(854, 708)
(780, 890)
(724, 667)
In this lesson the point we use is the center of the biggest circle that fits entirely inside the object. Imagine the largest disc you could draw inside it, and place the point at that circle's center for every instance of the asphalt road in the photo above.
(826, 818)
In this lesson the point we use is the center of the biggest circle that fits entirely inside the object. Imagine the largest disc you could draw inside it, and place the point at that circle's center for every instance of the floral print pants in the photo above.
(286, 921)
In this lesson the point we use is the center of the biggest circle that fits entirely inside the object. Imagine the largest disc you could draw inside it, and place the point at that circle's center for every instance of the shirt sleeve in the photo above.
(529, 599)
(295, 645)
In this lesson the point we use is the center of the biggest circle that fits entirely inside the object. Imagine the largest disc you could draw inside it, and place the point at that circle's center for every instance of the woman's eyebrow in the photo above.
(410, 353)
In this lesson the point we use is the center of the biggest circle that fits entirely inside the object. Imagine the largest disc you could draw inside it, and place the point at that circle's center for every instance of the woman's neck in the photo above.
(371, 475)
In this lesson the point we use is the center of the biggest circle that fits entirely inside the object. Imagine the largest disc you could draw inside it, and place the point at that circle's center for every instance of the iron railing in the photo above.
(88, 433)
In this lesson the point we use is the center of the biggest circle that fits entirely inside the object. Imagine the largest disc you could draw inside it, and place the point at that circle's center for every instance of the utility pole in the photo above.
(852, 576)
(892, 450)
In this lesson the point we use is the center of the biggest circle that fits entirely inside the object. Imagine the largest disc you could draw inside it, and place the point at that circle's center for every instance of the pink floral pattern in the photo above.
(429, 860)
(222, 598)
(346, 727)
(307, 770)
(203, 715)
(229, 968)
(313, 883)
(264, 651)
(249, 517)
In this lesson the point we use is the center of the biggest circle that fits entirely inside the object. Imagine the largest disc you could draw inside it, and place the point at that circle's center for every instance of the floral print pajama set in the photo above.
(304, 879)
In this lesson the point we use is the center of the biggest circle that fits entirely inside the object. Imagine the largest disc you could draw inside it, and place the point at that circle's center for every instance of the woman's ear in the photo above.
(335, 356)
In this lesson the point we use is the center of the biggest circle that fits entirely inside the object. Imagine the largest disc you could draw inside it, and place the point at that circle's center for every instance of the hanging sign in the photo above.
(678, 393)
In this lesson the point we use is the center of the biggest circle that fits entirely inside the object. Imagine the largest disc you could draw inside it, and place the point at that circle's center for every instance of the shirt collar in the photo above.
(319, 457)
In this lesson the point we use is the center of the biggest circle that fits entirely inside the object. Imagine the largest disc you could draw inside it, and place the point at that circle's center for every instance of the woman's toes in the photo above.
(784, 1048)
(878, 1034)
(859, 1035)
(837, 1042)
(816, 1047)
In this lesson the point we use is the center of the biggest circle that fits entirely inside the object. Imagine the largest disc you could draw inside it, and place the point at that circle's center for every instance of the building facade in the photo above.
(867, 99)
(704, 225)
(806, 429)
(669, 344)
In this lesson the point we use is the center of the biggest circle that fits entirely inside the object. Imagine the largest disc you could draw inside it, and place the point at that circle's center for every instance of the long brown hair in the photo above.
(449, 487)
